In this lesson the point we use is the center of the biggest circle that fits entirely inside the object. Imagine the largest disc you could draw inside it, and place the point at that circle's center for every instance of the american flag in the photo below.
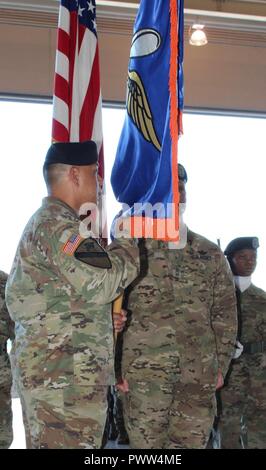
(77, 104)
(71, 245)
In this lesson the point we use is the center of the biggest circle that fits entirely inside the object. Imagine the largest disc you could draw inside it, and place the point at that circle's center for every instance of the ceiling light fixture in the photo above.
(197, 35)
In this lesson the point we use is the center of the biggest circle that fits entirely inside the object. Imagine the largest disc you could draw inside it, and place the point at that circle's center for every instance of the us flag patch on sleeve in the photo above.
(71, 245)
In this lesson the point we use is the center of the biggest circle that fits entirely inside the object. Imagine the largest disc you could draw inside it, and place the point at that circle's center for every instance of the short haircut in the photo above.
(53, 173)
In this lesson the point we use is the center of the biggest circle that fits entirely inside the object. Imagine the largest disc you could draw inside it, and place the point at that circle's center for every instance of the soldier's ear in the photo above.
(74, 175)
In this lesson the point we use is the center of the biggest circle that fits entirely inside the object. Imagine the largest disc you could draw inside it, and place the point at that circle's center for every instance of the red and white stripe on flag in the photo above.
(77, 103)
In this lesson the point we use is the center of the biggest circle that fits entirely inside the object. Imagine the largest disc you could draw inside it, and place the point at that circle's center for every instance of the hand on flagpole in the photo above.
(119, 320)
(118, 312)
(220, 380)
(122, 386)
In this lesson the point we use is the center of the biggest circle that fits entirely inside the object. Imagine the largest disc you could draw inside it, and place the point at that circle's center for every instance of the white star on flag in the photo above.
(80, 11)
(91, 7)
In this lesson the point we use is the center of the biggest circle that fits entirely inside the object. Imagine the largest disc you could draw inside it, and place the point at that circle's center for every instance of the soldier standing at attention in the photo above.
(243, 420)
(178, 346)
(59, 293)
(6, 332)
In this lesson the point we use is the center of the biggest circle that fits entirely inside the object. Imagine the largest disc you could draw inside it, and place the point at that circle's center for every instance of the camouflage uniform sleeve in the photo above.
(6, 324)
(97, 285)
(224, 314)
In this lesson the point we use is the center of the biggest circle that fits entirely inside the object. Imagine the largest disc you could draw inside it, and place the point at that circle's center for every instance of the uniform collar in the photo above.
(51, 201)
(242, 282)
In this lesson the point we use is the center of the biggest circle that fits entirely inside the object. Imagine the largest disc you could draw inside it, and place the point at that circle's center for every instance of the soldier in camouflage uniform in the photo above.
(243, 420)
(6, 332)
(59, 293)
(179, 341)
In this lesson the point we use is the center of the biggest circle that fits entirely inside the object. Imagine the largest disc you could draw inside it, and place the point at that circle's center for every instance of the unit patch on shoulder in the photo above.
(89, 251)
(72, 243)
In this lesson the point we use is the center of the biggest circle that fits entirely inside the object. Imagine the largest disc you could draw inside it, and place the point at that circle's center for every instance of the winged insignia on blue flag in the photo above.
(139, 110)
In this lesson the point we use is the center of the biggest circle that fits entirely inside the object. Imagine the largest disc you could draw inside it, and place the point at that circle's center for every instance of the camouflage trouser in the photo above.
(167, 416)
(69, 418)
(6, 432)
(243, 421)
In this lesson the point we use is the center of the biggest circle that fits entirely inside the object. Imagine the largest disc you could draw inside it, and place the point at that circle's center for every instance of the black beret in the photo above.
(72, 153)
(241, 243)
(182, 174)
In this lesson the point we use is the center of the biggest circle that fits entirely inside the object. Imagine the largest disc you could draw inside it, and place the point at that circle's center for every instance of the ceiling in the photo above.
(228, 73)
(236, 15)
(212, 8)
